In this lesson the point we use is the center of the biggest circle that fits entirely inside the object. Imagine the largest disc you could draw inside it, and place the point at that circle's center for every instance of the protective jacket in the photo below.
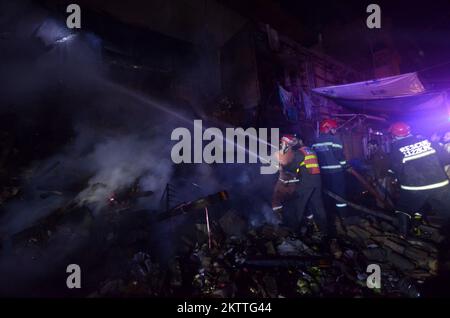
(418, 164)
(330, 152)
(305, 167)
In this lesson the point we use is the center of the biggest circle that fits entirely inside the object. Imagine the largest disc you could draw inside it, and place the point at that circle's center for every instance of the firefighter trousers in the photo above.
(311, 198)
(282, 193)
(294, 199)
(335, 182)
(411, 202)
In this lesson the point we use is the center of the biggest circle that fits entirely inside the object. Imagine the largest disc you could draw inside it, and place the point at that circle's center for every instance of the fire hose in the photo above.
(370, 188)
(378, 214)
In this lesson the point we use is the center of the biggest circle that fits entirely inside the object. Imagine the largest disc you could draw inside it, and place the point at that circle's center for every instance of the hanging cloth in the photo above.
(288, 101)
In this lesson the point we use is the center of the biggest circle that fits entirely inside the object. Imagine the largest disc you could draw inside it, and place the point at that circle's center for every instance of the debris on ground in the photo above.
(263, 263)
(225, 257)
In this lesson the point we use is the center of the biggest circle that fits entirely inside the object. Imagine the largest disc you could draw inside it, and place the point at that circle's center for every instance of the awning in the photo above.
(388, 87)
(393, 94)
(401, 97)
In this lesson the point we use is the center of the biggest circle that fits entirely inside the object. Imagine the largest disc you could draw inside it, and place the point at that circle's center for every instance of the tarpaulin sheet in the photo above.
(395, 94)
(400, 97)
(388, 87)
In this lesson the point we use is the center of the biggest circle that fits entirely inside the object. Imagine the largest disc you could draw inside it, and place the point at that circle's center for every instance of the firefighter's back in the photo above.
(418, 165)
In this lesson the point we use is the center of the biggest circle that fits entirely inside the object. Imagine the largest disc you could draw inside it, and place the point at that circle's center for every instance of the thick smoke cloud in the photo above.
(112, 136)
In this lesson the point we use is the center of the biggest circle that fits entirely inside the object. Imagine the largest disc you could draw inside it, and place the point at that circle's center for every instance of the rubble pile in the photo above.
(273, 261)
(415, 258)
(229, 258)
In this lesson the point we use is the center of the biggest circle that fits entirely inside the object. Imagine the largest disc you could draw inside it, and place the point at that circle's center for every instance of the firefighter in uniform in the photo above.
(418, 167)
(330, 152)
(299, 181)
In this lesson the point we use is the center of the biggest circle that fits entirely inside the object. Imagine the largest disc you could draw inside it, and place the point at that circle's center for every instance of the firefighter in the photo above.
(299, 181)
(330, 152)
(418, 167)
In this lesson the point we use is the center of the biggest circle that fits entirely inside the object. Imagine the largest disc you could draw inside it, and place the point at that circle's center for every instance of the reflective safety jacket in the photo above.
(330, 152)
(417, 164)
(310, 161)
(305, 166)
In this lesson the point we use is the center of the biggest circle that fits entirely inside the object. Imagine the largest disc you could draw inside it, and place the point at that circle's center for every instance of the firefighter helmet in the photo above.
(290, 140)
(327, 124)
(400, 129)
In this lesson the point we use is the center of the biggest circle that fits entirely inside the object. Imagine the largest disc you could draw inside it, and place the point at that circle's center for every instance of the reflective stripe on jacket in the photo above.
(310, 162)
(417, 165)
(329, 150)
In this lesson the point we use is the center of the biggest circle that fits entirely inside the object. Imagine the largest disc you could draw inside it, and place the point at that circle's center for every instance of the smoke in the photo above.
(114, 135)
(119, 162)
(103, 138)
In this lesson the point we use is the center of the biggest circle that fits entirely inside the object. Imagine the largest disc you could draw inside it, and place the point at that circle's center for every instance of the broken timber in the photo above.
(195, 205)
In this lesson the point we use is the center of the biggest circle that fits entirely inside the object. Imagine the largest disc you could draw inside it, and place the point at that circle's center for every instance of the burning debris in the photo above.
(195, 205)
(221, 254)
(274, 262)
